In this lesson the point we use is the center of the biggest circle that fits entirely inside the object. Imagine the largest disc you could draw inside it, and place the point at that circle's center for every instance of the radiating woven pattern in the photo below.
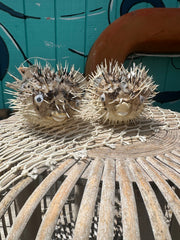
(112, 178)
(24, 148)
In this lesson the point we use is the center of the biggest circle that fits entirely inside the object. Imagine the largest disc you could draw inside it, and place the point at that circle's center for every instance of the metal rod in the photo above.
(50, 219)
(129, 210)
(86, 211)
(106, 213)
(29, 207)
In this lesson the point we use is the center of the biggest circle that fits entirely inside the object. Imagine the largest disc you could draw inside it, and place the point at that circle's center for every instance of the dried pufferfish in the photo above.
(118, 95)
(45, 96)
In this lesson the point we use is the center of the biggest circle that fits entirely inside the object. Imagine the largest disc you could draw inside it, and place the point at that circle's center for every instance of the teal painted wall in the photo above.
(65, 30)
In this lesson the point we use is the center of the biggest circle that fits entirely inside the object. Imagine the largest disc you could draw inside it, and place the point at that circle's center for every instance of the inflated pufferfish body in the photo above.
(117, 95)
(45, 96)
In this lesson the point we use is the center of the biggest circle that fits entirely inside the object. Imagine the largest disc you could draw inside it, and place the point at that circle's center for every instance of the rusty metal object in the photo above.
(34, 200)
(156, 217)
(129, 210)
(171, 197)
(12, 194)
(151, 30)
(86, 211)
(107, 211)
(49, 222)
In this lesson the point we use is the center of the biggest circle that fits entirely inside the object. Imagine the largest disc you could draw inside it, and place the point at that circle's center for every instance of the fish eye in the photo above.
(39, 98)
(123, 83)
(124, 86)
(103, 97)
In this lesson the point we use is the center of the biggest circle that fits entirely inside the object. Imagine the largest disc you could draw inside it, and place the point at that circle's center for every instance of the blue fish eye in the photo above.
(103, 97)
(39, 98)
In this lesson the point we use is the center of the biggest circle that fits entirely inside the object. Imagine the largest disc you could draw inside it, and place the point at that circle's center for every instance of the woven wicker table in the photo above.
(90, 181)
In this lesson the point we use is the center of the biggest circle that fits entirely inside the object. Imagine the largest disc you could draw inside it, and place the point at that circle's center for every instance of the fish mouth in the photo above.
(123, 109)
(58, 117)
